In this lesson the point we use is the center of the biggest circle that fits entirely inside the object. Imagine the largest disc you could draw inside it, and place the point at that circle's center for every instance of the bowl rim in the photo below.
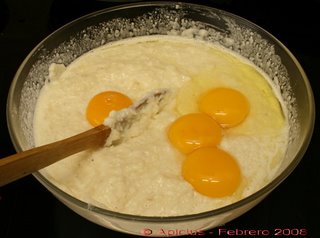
(261, 193)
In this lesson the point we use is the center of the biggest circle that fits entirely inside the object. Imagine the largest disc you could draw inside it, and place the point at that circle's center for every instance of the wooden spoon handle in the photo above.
(21, 164)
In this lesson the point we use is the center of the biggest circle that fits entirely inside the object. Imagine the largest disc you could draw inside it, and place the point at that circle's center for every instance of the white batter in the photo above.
(143, 175)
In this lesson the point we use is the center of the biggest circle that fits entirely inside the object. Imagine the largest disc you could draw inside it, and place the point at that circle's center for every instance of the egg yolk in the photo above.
(212, 172)
(103, 103)
(227, 106)
(194, 130)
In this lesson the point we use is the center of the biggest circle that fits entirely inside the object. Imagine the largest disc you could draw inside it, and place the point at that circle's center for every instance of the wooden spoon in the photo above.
(24, 163)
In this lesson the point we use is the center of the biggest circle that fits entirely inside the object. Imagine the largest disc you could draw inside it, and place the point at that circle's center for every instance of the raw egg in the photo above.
(227, 106)
(194, 130)
(103, 103)
(212, 172)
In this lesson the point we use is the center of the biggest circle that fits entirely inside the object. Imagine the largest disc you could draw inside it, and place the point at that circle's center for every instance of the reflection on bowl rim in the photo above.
(261, 193)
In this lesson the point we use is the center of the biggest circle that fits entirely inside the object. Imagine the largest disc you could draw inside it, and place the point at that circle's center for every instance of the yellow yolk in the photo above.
(212, 172)
(103, 103)
(194, 130)
(227, 106)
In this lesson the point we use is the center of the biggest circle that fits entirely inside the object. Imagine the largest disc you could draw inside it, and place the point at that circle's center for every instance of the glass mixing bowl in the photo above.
(164, 18)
